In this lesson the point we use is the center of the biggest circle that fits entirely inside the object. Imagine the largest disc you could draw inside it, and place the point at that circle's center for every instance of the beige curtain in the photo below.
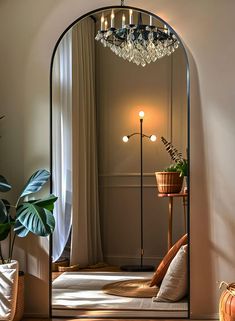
(86, 239)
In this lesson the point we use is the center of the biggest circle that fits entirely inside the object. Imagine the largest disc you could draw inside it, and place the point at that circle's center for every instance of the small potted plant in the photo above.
(18, 220)
(171, 179)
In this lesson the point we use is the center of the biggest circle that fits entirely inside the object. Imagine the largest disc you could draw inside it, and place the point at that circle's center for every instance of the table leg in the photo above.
(185, 213)
(170, 222)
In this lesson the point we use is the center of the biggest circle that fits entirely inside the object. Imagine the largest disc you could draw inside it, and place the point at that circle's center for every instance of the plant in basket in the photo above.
(170, 180)
(18, 220)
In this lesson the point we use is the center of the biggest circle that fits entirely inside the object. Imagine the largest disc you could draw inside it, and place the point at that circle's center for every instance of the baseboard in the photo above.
(212, 316)
(125, 260)
(114, 314)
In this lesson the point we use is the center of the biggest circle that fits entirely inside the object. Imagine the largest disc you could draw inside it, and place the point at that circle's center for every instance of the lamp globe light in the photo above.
(141, 114)
(153, 138)
(125, 139)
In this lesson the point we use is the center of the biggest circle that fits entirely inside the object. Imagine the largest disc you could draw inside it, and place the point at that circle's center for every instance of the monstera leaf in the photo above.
(36, 181)
(47, 203)
(20, 230)
(4, 185)
(34, 218)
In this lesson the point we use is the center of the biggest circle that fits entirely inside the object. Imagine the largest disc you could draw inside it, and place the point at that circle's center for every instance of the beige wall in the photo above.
(28, 33)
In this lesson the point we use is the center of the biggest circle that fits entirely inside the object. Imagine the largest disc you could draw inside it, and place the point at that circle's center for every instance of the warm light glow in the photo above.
(141, 114)
(112, 19)
(102, 22)
(131, 17)
(153, 138)
(106, 24)
(165, 29)
(123, 20)
(125, 139)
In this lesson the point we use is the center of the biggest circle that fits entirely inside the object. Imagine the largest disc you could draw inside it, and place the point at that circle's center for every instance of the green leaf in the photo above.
(36, 181)
(47, 203)
(3, 212)
(5, 229)
(36, 219)
(4, 185)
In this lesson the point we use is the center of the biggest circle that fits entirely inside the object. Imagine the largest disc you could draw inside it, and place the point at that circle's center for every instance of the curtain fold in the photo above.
(86, 239)
(62, 143)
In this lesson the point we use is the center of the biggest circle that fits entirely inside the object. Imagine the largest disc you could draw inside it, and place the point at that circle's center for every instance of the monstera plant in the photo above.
(25, 216)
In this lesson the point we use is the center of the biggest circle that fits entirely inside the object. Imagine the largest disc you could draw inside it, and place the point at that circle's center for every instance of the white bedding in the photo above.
(83, 291)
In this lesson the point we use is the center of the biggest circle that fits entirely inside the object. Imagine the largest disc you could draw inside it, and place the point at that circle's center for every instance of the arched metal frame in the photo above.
(188, 131)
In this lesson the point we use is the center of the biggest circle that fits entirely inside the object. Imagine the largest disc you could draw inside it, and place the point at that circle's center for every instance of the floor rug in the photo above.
(131, 288)
(80, 294)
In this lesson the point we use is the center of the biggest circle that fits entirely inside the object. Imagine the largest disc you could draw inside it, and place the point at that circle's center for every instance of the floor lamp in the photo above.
(141, 267)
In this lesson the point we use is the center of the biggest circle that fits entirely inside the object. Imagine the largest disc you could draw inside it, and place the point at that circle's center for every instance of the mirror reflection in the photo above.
(119, 166)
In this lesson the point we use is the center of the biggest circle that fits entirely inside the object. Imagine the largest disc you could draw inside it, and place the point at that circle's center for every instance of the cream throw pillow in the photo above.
(174, 285)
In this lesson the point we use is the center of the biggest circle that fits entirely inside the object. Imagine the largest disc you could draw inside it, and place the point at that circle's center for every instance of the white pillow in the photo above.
(174, 285)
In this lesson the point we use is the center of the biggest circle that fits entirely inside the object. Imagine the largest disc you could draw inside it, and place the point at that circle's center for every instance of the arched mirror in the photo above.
(119, 142)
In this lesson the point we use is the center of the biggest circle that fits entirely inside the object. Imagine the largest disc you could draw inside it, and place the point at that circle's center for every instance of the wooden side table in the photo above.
(170, 211)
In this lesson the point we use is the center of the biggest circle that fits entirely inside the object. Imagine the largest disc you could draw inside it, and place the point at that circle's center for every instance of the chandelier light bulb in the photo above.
(112, 19)
(123, 20)
(141, 114)
(153, 138)
(102, 22)
(125, 139)
(106, 24)
(131, 17)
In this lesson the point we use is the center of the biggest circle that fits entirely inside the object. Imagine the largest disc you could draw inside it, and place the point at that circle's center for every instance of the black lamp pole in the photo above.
(141, 267)
(141, 194)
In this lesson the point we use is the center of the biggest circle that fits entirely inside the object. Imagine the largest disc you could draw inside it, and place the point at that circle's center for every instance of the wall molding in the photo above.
(126, 180)
(127, 174)
(128, 186)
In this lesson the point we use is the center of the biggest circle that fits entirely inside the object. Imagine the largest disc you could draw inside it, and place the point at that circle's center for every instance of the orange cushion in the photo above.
(163, 266)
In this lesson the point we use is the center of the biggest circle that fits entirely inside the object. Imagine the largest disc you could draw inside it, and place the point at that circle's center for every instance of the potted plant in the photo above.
(18, 220)
(171, 179)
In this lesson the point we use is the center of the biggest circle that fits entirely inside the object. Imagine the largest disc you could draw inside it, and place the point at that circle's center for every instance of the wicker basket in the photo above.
(169, 182)
(71, 268)
(227, 303)
(20, 299)
(61, 262)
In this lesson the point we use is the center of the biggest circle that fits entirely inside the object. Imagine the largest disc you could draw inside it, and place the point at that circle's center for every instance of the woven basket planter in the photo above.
(9, 273)
(169, 182)
(20, 299)
(227, 303)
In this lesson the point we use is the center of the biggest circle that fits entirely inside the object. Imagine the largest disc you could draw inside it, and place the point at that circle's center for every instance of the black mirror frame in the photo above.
(188, 135)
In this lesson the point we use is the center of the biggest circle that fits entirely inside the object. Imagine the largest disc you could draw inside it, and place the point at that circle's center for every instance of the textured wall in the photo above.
(28, 33)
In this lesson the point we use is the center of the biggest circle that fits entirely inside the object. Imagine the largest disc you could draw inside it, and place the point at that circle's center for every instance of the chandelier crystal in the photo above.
(137, 43)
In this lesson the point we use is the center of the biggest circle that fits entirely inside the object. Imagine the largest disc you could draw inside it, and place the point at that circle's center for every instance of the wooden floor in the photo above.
(60, 319)
(106, 319)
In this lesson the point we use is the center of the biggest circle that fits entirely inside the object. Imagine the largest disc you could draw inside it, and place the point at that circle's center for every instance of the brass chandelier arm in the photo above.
(143, 135)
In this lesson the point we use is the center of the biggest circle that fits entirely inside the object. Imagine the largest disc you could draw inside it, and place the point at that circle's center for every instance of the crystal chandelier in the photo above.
(138, 43)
